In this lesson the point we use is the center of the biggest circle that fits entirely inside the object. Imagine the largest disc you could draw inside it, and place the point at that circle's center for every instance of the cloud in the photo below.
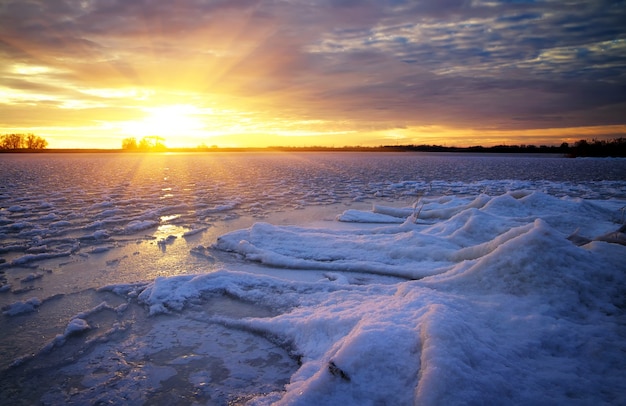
(372, 63)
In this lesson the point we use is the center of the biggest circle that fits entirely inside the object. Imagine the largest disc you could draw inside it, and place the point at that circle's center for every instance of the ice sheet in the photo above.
(497, 306)
(425, 292)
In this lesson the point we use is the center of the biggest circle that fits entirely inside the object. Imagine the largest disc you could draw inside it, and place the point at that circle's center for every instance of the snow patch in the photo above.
(27, 306)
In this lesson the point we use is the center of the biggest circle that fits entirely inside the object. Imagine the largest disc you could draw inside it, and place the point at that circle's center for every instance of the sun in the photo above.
(166, 121)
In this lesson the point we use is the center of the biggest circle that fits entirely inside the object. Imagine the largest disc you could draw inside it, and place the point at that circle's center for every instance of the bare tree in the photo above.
(22, 141)
(35, 142)
(144, 144)
(152, 143)
(129, 143)
(149, 143)
(11, 141)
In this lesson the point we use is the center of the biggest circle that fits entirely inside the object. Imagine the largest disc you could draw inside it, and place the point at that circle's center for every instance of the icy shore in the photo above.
(509, 299)
(311, 279)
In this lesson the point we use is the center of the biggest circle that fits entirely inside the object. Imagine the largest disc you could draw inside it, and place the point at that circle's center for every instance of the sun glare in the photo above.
(174, 120)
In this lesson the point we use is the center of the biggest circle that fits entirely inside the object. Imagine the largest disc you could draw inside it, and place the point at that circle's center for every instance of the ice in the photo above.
(521, 298)
(101, 249)
(139, 225)
(31, 277)
(400, 251)
(25, 259)
(60, 224)
(37, 249)
(310, 279)
(527, 299)
(17, 209)
(219, 208)
(194, 231)
(20, 225)
(21, 307)
(535, 303)
(358, 216)
(76, 326)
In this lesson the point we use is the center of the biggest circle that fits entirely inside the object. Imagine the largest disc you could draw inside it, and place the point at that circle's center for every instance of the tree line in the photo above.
(582, 148)
(615, 147)
(151, 143)
(22, 141)
(595, 148)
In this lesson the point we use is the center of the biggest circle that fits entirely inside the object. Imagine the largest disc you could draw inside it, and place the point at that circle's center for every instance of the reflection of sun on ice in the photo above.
(165, 121)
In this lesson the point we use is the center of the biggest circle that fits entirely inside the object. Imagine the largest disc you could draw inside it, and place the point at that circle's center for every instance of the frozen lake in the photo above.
(311, 278)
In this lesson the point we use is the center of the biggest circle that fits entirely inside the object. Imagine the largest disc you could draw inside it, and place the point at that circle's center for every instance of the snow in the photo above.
(22, 307)
(76, 326)
(219, 208)
(334, 289)
(510, 310)
(358, 216)
(527, 300)
(472, 333)
(140, 225)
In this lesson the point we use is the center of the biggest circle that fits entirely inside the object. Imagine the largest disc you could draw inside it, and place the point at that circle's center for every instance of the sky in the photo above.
(237, 73)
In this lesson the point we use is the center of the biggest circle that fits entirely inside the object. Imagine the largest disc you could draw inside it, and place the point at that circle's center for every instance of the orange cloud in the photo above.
(259, 72)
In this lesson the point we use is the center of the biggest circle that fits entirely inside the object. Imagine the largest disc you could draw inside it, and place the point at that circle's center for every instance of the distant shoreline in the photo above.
(564, 151)
(272, 149)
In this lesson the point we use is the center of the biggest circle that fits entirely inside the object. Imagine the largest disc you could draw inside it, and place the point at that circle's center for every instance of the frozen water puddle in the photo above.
(120, 355)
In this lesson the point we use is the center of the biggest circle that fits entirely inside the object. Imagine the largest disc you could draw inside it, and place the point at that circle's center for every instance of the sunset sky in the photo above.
(89, 73)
